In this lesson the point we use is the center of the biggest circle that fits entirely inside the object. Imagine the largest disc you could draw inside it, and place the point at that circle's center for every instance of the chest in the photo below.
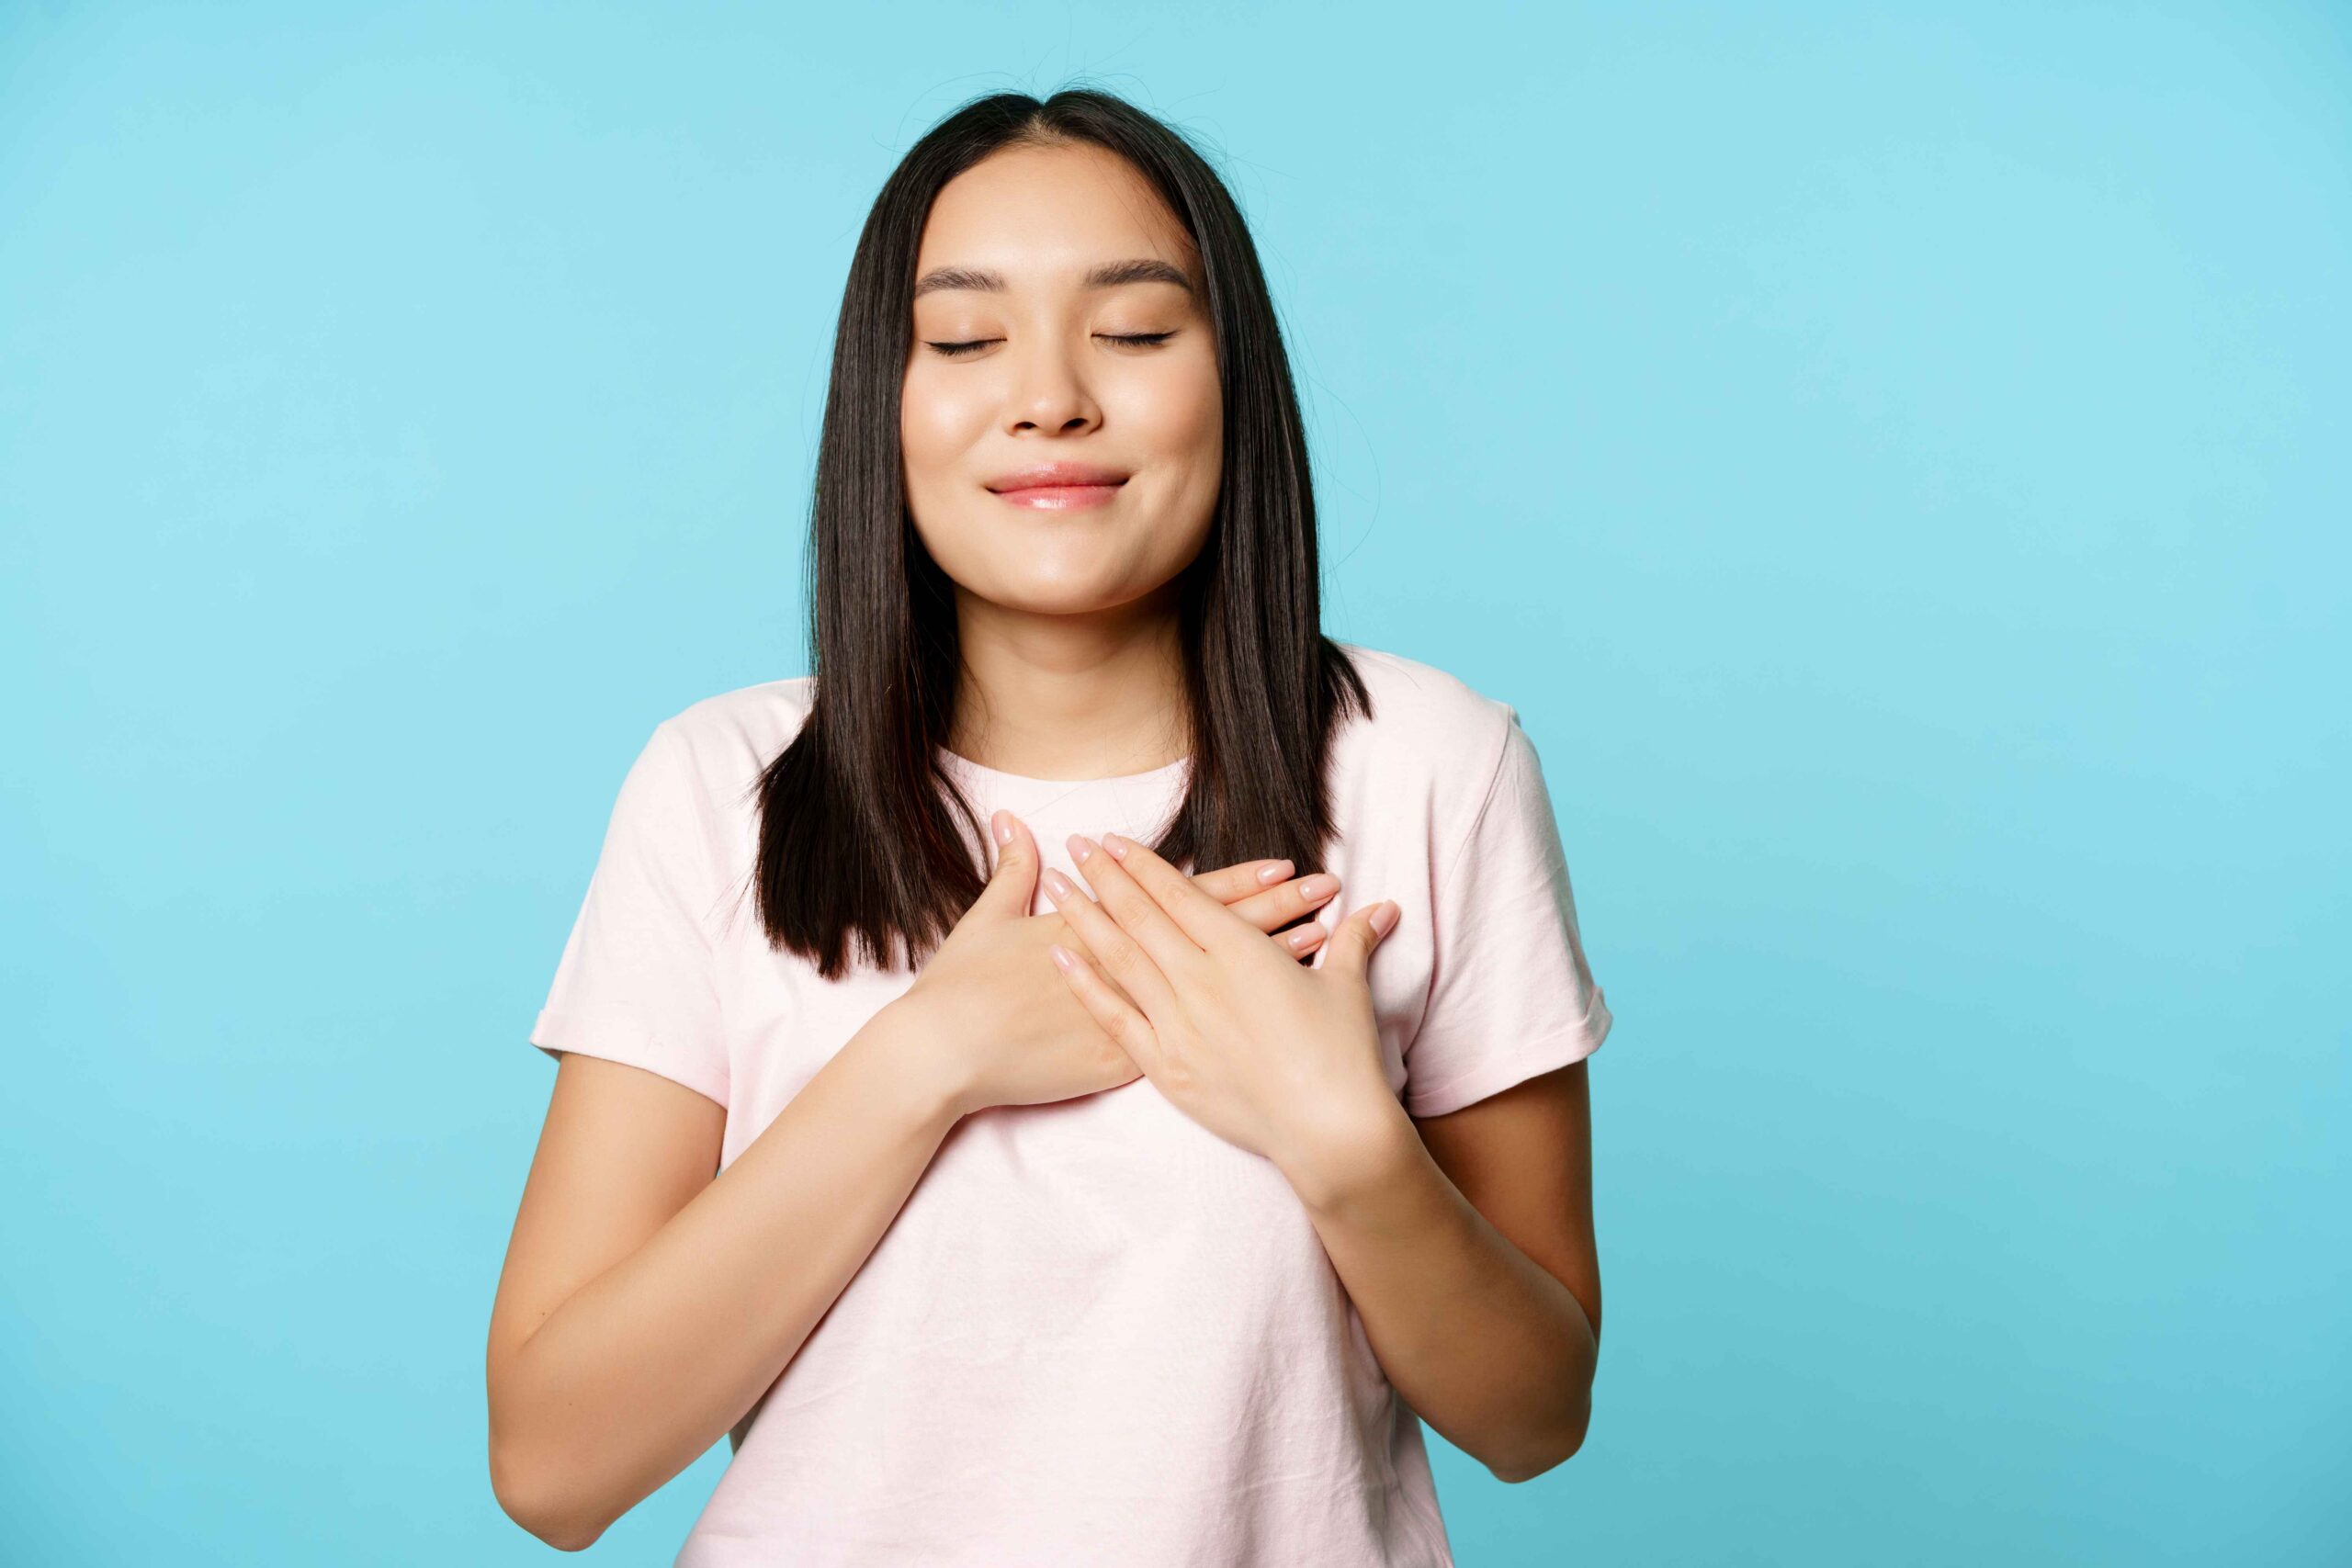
(784, 1021)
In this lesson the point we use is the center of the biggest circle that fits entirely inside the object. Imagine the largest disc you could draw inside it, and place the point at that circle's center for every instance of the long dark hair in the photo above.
(861, 830)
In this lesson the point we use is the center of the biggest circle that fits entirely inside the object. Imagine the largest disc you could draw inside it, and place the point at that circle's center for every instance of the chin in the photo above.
(1048, 592)
(1050, 599)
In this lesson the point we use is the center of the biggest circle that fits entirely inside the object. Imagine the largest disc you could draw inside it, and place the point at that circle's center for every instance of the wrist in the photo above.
(904, 1044)
(1352, 1153)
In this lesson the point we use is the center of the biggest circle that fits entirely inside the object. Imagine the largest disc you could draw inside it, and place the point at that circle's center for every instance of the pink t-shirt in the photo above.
(1096, 1333)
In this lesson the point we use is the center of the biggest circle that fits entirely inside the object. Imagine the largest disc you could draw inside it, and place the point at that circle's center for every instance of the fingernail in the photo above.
(1080, 848)
(1116, 845)
(1003, 820)
(1056, 883)
(1302, 936)
(1062, 955)
(1318, 887)
(1384, 917)
(1275, 872)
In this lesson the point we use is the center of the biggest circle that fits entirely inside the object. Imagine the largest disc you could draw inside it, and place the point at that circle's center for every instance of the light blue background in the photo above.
(1895, 461)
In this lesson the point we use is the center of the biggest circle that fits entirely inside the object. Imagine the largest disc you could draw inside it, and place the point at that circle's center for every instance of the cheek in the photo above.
(1183, 412)
(942, 417)
(1202, 411)
(934, 426)
(938, 428)
(1202, 398)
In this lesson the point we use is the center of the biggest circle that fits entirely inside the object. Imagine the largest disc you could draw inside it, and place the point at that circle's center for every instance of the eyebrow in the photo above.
(1109, 274)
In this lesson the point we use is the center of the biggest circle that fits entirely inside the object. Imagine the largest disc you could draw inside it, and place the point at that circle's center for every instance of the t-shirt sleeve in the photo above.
(635, 984)
(1511, 993)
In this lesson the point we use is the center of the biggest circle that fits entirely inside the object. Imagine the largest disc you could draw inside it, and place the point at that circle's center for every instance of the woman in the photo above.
(1071, 1205)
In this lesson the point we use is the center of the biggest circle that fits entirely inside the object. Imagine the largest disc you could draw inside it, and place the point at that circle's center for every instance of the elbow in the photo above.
(1513, 1473)
(536, 1483)
(1558, 1448)
(531, 1495)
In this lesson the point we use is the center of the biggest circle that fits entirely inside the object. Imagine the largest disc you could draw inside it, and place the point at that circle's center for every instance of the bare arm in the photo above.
(645, 1306)
(1466, 1242)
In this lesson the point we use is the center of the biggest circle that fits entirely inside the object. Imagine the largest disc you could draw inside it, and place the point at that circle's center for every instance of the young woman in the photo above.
(961, 1102)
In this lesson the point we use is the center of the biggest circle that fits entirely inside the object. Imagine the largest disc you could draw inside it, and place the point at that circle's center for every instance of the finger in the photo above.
(1067, 932)
(1158, 903)
(1013, 884)
(1128, 1028)
(1121, 956)
(1140, 914)
(1302, 940)
(1229, 885)
(1351, 945)
(1277, 907)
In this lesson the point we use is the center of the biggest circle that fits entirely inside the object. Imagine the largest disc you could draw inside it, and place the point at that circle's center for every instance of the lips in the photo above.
(1058, 498)
(1053, 476)
(1058, 487)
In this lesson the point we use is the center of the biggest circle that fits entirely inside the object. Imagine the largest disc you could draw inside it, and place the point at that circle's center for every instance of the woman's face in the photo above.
(1044, 365)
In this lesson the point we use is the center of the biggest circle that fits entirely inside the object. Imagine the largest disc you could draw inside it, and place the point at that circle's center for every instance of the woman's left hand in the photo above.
(1271, 1056)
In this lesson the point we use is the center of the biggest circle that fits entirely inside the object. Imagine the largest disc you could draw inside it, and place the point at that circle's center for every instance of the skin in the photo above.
(647, 1304)
(1067, 621)
(1465, 1241)
(649, 1300)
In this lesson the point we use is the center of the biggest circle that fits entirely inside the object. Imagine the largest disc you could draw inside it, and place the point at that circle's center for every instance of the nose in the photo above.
(1049, 393)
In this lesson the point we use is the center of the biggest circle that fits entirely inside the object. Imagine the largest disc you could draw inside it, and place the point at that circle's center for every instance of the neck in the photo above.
(1071, 696)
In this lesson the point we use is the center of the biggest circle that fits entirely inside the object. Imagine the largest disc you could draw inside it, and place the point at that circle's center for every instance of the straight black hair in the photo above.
(863, 831)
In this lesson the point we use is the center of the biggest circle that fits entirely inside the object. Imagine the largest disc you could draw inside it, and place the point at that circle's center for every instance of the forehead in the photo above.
(1040, 216)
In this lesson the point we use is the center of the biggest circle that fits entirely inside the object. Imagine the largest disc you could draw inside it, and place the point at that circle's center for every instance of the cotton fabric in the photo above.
(1096, 1333)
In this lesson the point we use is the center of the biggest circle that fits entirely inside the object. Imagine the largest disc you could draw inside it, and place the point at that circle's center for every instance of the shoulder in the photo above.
(766, 712)
(1418, 708)
(1431, 749)
(725, 740)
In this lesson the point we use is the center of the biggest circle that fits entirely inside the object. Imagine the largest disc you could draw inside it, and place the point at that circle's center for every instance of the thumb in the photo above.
(1350, 946)
(1014, 883)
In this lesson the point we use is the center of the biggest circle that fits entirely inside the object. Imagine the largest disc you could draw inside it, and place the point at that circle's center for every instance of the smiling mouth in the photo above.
(1059, 498)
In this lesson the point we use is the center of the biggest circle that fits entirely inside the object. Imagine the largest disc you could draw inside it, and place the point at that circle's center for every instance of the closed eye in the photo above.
(973, 345)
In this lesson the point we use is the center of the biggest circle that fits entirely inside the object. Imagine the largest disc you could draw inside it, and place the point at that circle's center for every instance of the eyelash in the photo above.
(1139, 340)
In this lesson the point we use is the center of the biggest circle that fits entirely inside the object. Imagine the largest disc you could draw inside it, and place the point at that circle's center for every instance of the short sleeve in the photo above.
(1510, 994)
(636, 980)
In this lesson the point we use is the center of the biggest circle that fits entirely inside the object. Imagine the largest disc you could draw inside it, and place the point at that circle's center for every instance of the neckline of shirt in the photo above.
(1122, 801)
(964, 765)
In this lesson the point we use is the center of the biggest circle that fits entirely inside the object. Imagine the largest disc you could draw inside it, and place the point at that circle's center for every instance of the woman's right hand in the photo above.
(990, 1013)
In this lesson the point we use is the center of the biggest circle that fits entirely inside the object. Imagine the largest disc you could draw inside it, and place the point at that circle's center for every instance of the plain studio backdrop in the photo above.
(1893, 457)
